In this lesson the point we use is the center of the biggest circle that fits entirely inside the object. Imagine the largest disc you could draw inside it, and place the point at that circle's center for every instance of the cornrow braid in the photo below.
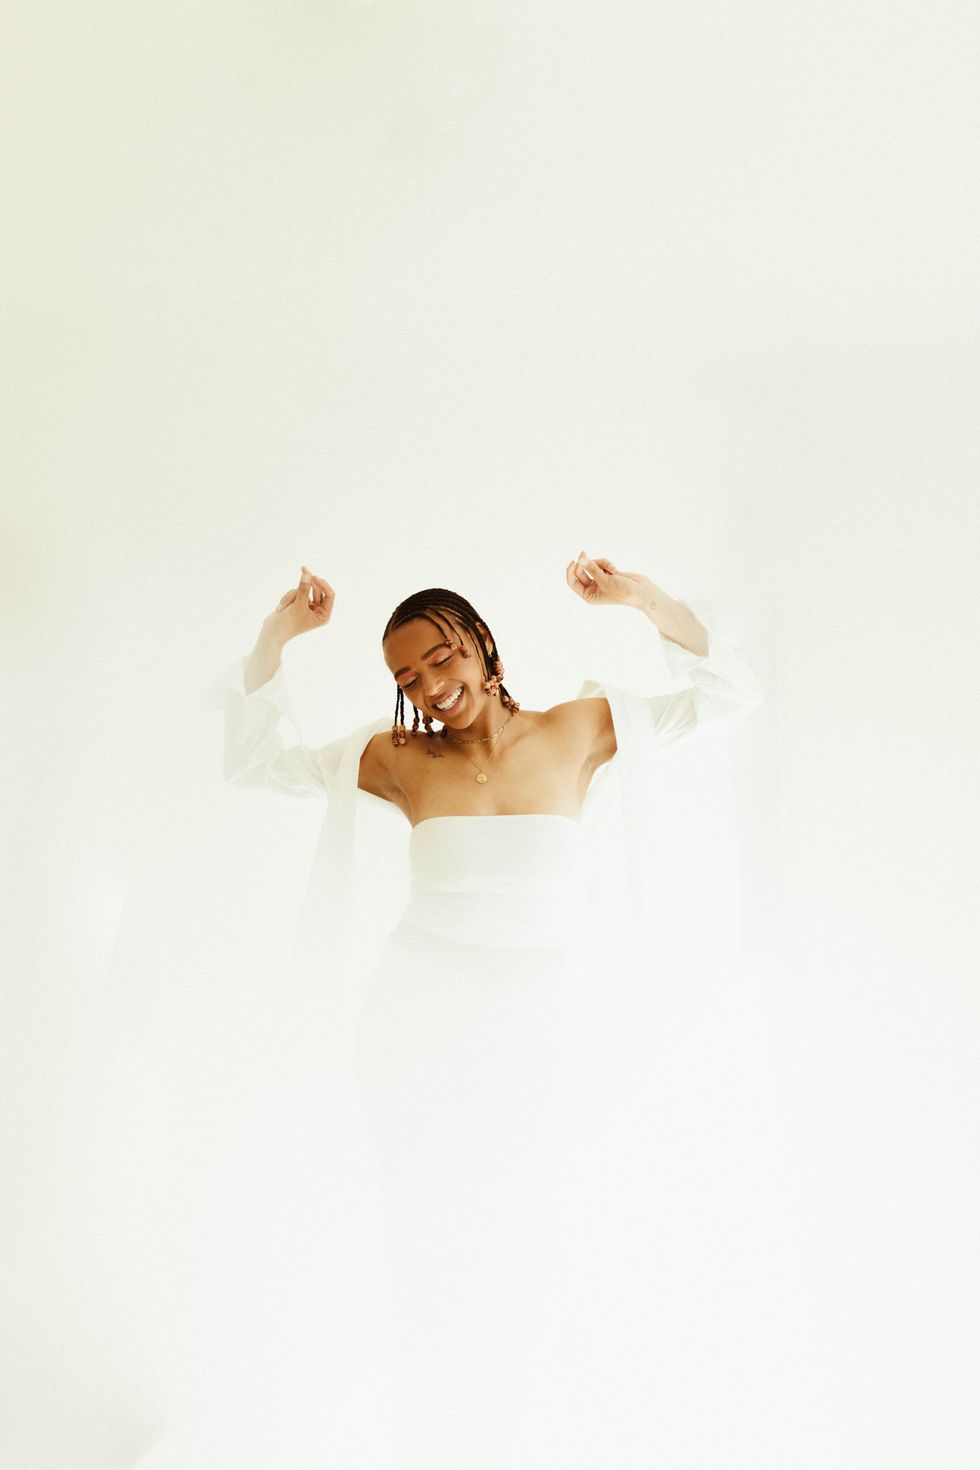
(432, 604)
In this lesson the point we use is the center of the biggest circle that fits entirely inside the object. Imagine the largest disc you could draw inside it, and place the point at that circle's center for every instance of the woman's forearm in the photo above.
(263, 661)
(675, 622)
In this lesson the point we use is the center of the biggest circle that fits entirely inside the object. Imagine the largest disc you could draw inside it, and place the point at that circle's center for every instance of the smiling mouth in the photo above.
(447, 709)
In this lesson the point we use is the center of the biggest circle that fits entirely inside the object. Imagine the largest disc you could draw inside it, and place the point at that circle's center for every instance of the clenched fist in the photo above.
(600, 583)
(304, 607)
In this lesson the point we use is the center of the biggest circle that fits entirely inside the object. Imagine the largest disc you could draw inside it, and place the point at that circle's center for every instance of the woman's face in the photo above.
(430, 673)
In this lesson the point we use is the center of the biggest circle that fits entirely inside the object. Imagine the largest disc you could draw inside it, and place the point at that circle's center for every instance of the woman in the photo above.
(476, 1036)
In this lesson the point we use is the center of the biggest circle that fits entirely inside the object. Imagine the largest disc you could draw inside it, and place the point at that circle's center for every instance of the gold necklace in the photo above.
(481, 739)
(481, 776)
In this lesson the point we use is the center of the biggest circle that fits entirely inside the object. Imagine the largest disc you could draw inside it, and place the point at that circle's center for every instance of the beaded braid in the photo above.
(430, 603)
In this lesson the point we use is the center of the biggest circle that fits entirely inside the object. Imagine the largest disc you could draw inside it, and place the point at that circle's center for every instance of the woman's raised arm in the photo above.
(300, 609)
(721, 681)
(263, 746)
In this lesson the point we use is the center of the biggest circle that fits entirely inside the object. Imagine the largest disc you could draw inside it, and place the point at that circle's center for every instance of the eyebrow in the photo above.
(407, 667)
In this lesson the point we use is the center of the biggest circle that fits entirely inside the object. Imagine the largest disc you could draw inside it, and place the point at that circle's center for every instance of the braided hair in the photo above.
(432, 604)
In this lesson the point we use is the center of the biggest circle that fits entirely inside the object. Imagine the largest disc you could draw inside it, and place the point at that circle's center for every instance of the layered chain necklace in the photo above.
(481, 740)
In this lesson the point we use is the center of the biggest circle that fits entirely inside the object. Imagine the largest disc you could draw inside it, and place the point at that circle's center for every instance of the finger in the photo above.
(572, 580)
(308, 592)
(318, 581)
(607, 565)
(582, 584)
(588, 587)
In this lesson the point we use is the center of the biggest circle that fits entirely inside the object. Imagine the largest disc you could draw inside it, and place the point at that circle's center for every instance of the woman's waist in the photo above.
(535, 918)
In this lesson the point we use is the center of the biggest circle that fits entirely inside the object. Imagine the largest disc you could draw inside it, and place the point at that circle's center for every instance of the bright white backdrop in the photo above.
(439, 293)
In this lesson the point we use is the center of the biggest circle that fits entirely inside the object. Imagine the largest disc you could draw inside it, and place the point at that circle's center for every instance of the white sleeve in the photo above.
(721, 683)
(263, 745)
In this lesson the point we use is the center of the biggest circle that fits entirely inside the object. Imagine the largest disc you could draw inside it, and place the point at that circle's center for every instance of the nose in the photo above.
(439, 692)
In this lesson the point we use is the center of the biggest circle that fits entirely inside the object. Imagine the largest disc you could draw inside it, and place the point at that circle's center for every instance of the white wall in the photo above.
(438, 293)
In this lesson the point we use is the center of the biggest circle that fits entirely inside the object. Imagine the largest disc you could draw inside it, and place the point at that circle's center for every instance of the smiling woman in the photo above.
(479, 1041)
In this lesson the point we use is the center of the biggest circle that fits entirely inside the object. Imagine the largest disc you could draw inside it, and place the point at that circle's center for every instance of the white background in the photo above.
(438, 294)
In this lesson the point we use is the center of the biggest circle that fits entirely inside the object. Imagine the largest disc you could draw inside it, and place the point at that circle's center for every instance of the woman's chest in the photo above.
(545, 770)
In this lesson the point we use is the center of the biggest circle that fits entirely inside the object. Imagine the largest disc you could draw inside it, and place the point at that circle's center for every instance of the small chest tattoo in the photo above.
(437, 755)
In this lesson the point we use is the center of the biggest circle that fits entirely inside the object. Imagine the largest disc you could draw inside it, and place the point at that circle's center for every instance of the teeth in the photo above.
(448, 703)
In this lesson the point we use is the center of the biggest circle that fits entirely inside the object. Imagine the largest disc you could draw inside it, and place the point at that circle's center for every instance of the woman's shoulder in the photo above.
(588, 723)
(376, 773)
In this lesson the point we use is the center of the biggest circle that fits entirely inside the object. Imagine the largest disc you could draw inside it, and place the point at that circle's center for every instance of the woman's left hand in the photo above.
(599, 582)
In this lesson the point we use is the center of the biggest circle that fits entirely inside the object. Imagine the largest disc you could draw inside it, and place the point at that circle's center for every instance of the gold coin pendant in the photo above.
(481, 778)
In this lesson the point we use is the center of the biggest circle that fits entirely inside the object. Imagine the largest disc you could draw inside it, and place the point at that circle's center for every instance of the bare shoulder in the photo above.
(589, 724)
(376, 773)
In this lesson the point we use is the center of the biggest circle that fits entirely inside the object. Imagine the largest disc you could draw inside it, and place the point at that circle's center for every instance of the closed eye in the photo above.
(439, 665)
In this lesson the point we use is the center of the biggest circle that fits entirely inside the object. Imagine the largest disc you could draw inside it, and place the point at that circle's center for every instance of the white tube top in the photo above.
(504, 881)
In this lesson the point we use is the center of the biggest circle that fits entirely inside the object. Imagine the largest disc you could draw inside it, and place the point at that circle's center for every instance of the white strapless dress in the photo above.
(466, 1049)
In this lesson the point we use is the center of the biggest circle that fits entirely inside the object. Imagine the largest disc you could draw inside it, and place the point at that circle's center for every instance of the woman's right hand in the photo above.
(304, 607)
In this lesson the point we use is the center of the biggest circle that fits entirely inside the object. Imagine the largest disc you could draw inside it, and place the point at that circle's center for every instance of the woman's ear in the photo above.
(487, 640)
